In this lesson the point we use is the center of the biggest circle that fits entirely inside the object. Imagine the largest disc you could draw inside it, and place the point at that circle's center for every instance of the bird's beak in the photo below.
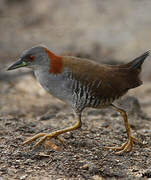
(18, 64)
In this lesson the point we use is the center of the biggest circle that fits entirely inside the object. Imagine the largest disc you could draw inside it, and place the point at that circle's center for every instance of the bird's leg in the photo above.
(128, 145)
(33, 138)
(54, 134)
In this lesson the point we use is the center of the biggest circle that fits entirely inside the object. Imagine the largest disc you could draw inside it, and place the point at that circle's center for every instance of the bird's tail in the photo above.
(132, 71)
(136, 63)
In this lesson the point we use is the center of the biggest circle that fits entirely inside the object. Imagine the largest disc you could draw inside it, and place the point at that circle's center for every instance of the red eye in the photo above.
(31, 58)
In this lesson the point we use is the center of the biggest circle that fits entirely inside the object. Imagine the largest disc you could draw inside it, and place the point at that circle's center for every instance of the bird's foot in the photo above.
(126, 147)
(44, 137)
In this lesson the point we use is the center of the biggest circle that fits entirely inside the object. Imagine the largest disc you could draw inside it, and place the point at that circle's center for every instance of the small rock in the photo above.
(23, 177)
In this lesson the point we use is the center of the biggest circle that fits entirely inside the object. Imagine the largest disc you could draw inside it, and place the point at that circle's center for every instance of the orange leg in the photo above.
(55, 134)
(128, 145)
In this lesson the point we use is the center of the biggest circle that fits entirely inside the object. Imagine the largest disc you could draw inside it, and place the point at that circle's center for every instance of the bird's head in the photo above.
(37, 57)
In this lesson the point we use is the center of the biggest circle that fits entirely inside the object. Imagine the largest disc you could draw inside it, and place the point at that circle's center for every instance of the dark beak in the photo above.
(18, 64)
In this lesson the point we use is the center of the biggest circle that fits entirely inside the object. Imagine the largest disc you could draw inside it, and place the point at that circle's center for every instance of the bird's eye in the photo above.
(31, 58)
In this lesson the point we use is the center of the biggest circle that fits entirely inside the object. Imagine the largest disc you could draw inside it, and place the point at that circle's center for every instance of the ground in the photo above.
(99, 30)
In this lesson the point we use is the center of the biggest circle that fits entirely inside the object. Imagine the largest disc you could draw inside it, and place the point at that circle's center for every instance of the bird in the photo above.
(82, 83)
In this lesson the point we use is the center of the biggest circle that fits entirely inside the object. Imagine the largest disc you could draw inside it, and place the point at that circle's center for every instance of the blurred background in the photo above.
(120, 30)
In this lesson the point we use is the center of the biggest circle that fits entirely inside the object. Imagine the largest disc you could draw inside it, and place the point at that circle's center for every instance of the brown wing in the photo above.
(103, 81)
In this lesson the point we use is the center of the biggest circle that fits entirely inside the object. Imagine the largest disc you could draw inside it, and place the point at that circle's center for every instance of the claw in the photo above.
(33, 138)
(44, 136)
(126, 147)
(55, 134)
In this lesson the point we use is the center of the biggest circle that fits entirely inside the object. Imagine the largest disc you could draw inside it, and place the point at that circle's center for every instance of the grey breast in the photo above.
(56, 85)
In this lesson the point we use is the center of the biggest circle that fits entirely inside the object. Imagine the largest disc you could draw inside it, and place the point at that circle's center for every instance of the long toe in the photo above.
(126, 147)
(41, 140)
(48, 137)
(33, 138)
(115, 148)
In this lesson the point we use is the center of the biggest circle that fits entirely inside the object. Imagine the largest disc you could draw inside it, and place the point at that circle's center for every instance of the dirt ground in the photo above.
(26, 109)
